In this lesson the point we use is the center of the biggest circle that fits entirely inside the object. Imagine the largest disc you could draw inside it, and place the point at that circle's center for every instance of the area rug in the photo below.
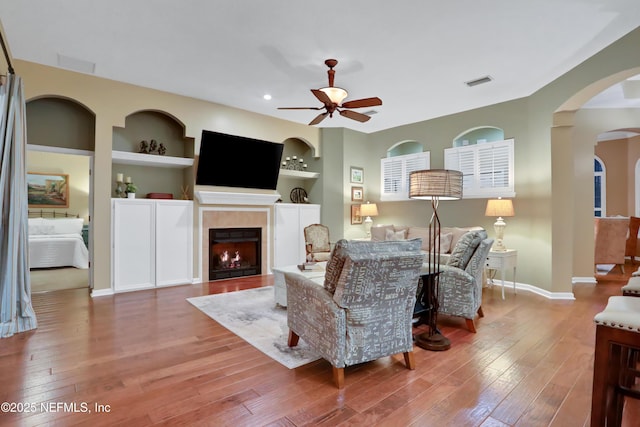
(253, 315)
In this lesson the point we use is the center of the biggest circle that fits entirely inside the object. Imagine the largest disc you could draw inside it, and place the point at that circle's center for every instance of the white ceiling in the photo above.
(415, 55)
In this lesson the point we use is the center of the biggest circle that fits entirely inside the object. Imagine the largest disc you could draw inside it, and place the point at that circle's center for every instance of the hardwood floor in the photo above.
(151, 358)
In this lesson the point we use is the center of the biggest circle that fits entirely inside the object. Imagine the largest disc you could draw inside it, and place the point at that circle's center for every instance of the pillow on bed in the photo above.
(64, 225)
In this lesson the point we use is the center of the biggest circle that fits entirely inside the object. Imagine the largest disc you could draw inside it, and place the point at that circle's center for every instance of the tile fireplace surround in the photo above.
(235, 210)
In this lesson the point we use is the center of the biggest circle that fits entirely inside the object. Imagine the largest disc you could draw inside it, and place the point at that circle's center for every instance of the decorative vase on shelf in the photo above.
(131, 195)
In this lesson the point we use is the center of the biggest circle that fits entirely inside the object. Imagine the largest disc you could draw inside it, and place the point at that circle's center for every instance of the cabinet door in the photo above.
(289, 231)
(133, 245)
(286, 236)
(174, 243)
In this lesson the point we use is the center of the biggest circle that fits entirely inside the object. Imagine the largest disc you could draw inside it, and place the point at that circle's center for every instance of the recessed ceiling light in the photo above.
(267, 97)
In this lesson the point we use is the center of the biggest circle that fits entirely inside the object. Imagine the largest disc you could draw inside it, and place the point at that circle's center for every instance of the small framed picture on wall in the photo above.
(357, 194)
(356, 218)
(357, 175)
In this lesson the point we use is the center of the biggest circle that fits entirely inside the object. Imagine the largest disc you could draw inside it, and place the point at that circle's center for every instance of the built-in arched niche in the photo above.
(478, 135)
(168, 168)
(405, 147)
(60, 122)
(299, 168)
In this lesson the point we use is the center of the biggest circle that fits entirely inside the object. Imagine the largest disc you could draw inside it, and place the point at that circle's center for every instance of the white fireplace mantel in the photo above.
(227, 198)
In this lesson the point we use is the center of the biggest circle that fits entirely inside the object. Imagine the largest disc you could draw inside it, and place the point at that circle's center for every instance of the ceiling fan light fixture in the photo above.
(335, 94)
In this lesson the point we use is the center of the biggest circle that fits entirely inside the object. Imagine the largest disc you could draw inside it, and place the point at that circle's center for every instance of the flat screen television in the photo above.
(236, 161)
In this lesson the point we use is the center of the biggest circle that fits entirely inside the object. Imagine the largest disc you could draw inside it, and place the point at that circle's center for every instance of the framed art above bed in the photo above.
(47, 190)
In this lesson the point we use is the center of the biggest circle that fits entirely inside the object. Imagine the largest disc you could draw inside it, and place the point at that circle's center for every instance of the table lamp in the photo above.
(434, 185)
(499, 207)
(368, 210)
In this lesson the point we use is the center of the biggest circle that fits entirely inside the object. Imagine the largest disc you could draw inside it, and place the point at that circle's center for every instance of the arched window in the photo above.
(599, 188)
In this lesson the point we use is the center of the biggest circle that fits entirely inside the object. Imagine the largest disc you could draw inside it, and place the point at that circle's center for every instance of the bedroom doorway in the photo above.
(61, 141)
(51, 252)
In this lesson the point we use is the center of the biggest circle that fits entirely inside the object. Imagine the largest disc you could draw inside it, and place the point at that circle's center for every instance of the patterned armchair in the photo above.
(461, 278)
(364, 310)
(316, 242)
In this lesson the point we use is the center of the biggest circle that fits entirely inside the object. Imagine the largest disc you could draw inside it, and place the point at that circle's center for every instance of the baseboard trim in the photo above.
(101, 292)
(545, 293)
(588, 280)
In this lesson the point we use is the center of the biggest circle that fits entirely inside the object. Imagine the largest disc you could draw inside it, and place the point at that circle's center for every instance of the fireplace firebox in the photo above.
(234, 252)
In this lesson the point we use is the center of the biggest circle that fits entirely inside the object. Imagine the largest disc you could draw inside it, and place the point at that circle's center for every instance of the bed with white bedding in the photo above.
(57, 242)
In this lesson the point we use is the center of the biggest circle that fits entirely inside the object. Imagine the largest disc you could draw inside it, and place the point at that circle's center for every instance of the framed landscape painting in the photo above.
(47, 190)
(356, 218)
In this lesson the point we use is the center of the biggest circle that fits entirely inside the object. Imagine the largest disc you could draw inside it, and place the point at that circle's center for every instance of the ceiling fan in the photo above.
(332, 98)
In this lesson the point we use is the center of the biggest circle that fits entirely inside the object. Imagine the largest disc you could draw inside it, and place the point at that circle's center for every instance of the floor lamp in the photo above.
(434, 185)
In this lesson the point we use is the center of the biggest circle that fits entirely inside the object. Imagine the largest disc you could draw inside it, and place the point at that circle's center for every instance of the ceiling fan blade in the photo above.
(323, 97)
(354, 115)
(364, 102)
(318, 119)
(300, 108)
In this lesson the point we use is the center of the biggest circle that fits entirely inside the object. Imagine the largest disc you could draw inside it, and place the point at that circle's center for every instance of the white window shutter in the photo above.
(395, 173)
(487, 169)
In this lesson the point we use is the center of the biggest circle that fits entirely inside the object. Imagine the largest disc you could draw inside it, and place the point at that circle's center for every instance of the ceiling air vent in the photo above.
(476, 82)
(76, 64)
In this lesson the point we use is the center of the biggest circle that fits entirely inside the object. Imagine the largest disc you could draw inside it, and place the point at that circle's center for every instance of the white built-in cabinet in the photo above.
(290, 221)
(152, 243)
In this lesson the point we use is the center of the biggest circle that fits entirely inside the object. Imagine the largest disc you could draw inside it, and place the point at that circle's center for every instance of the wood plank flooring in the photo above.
(149, 358)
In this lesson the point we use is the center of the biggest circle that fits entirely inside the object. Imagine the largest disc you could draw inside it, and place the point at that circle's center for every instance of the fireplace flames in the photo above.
(226, 261)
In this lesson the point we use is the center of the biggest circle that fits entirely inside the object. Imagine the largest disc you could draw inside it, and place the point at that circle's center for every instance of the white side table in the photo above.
(280, 286)
(502, 261)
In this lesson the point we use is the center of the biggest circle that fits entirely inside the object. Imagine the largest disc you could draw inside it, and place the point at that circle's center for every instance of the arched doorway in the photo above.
(61, 140)
(572, 149)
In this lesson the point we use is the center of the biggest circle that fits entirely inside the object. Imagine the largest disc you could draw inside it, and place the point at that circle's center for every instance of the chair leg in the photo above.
(293, 339)
(470, 325)
(409, 360)
(338, 377)
(622, 268)
(480, 312)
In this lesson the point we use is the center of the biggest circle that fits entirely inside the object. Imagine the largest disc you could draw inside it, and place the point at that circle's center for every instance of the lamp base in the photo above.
(433, 342)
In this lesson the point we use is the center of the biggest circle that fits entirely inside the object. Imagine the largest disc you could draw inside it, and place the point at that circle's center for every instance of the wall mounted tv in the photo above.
(236, 161)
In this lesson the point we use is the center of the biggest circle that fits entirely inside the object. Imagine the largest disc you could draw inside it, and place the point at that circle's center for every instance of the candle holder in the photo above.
(120, 189)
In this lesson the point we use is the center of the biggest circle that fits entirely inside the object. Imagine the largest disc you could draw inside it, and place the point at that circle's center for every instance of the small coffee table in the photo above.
(280, 287)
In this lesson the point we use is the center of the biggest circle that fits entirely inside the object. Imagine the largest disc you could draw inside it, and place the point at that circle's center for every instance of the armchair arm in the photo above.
(315, 317)
(458, 292)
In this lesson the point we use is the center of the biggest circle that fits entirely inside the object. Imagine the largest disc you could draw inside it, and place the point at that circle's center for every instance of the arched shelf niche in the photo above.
(171, 172)
(301, 150)
(405, 147)
(61, 122)
(478, 135)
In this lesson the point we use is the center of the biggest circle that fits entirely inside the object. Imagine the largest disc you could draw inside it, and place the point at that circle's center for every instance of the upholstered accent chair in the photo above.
(461, 278)
(610, 240)
(631, 247)
(365, 308)
(317, 243)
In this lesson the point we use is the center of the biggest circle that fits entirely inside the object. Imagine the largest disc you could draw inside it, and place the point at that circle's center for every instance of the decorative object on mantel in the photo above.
(152, 147)
(299, 195)
(499, 207)
(294, 164)
(434, 185)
